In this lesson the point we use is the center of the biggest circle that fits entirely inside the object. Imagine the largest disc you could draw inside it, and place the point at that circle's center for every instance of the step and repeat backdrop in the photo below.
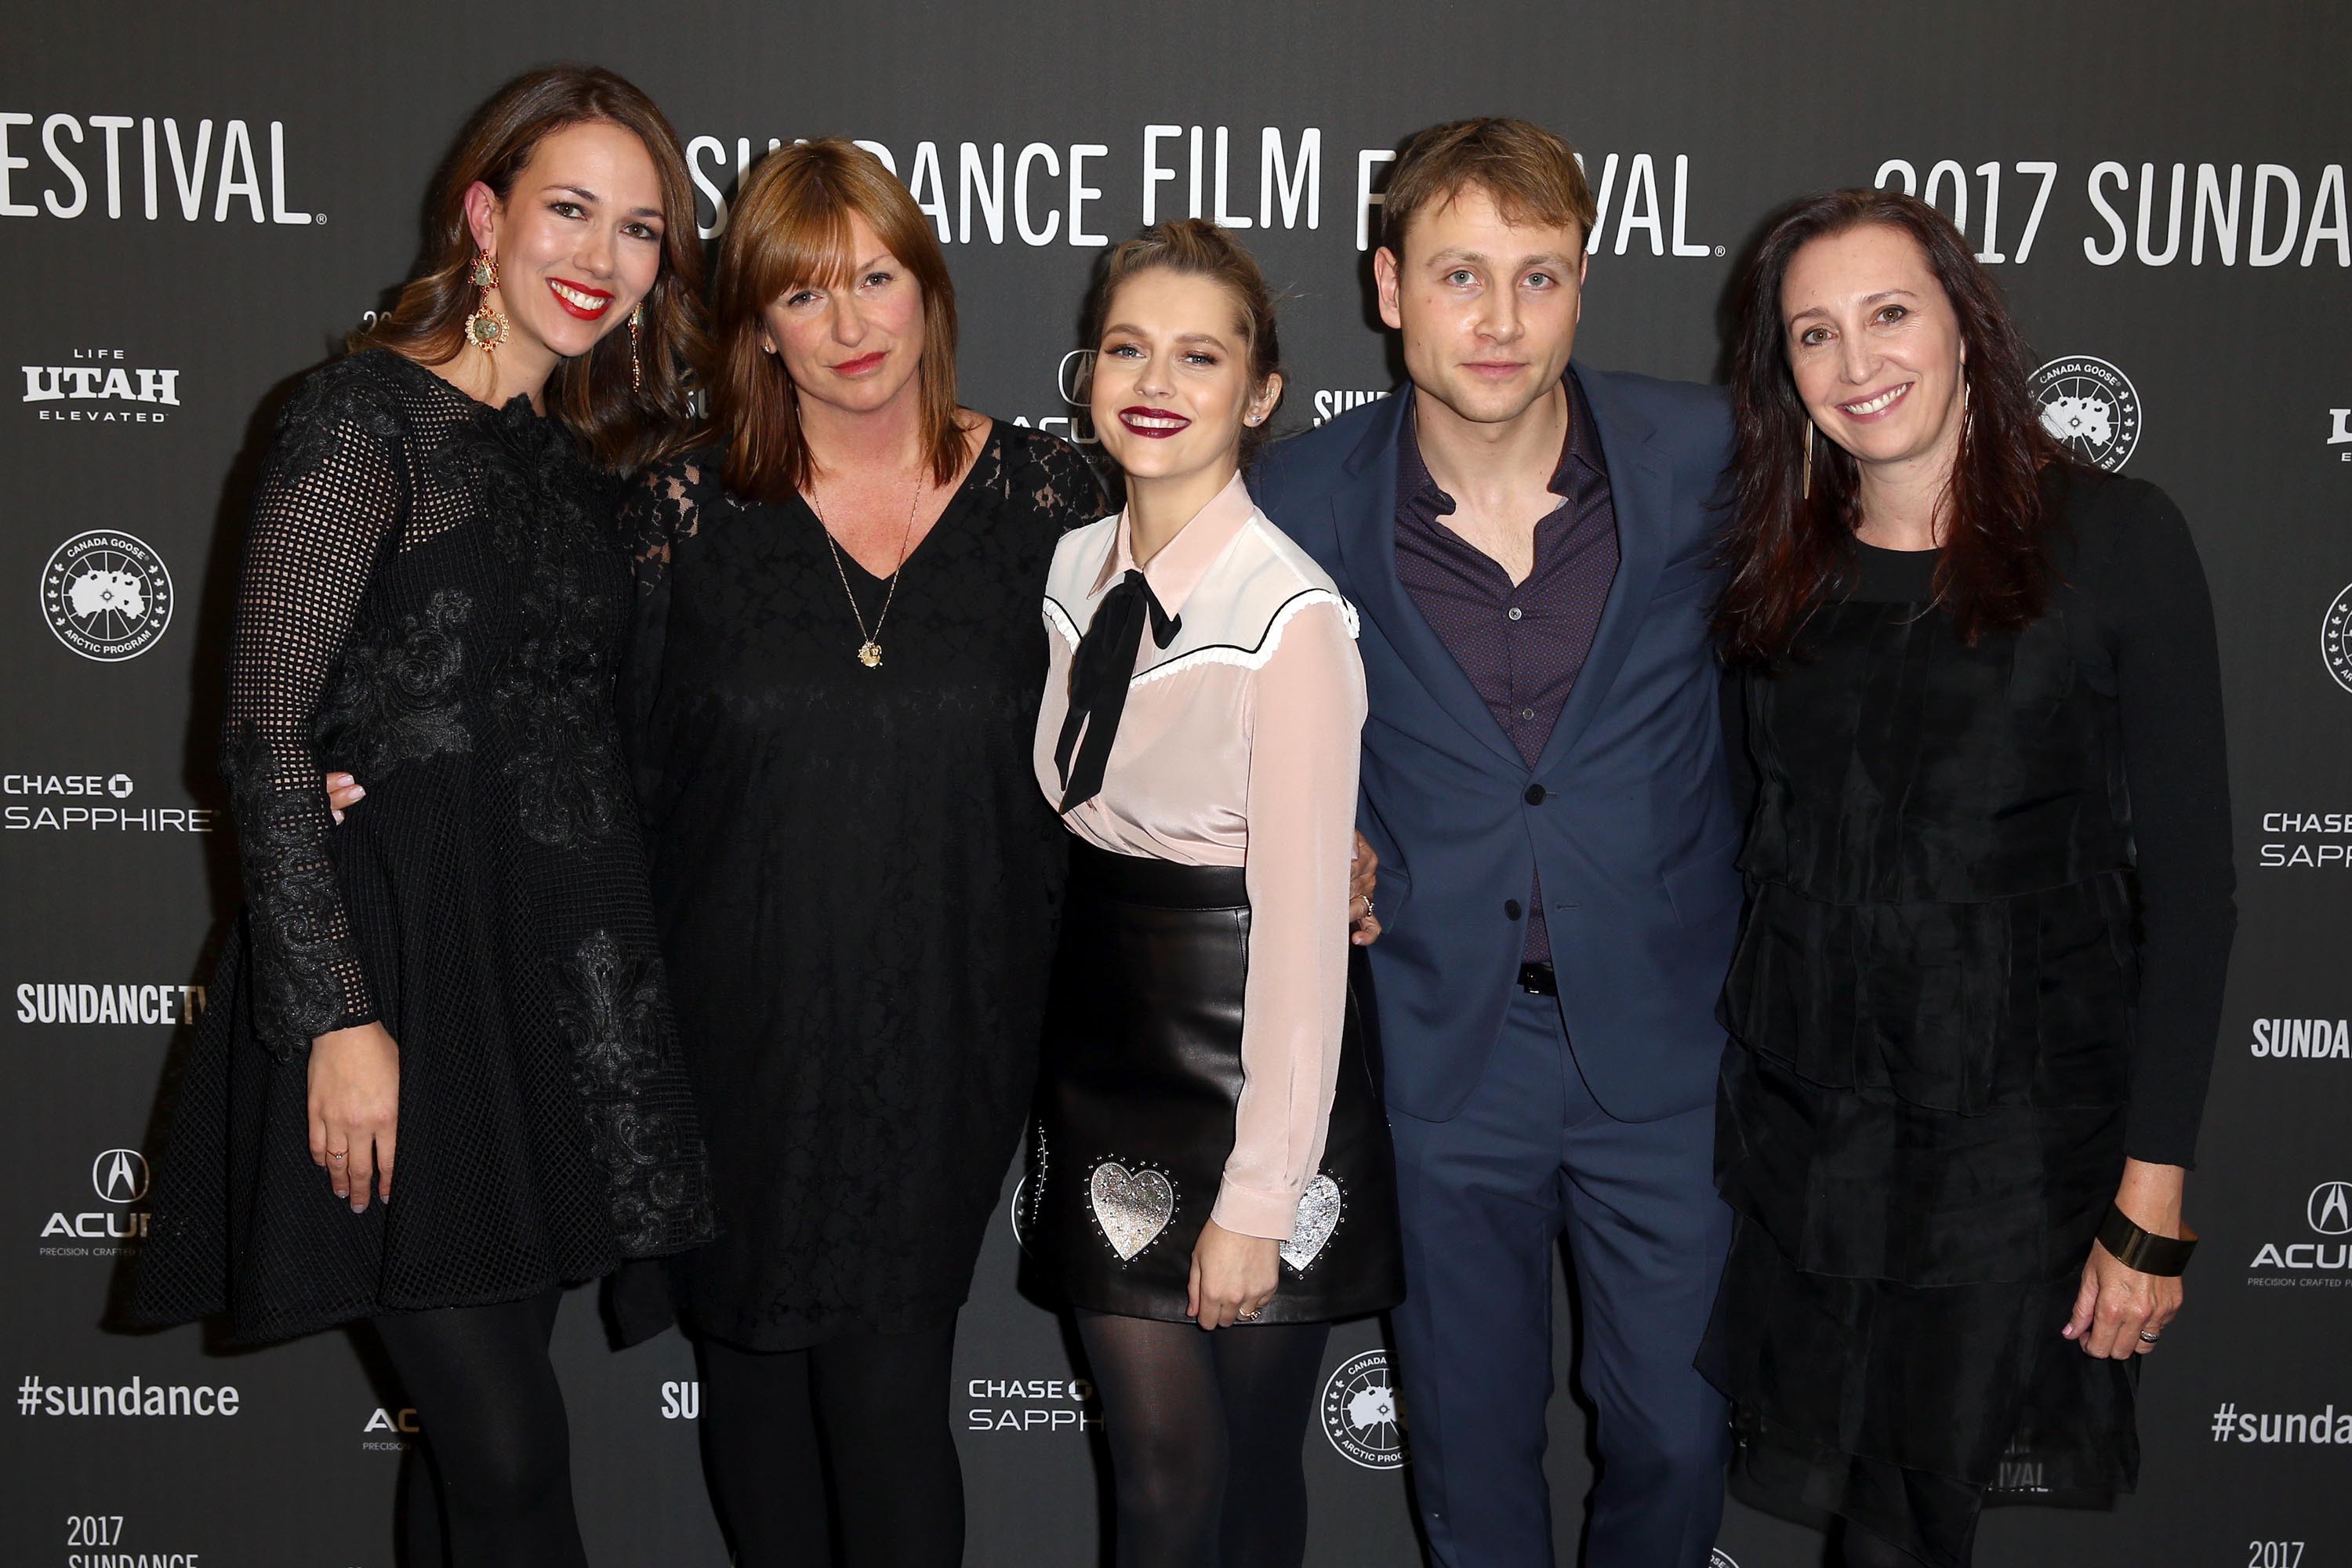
(197, 204)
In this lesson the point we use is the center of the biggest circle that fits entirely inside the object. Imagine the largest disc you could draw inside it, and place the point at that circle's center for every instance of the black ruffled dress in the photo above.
(1982, 964)
(434, 597)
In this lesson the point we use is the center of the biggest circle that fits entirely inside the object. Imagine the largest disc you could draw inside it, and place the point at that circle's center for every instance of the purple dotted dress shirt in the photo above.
(1522, 644)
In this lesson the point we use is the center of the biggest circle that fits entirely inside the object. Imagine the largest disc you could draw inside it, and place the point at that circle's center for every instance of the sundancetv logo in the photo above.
(2089, 408)
(79, 1002)
(107, 595)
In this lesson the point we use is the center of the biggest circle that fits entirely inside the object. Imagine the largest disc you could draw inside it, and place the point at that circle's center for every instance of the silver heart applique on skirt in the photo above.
(1318, 1216)
(1132, 1207)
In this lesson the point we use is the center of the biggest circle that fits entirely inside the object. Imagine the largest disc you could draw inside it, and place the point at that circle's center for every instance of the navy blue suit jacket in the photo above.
(1636, 832)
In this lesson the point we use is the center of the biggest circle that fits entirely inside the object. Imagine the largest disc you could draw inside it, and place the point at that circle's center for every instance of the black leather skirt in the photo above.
(1142, 1071)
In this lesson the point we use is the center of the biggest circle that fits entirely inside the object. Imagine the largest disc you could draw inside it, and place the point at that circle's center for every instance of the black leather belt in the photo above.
(1538, 980)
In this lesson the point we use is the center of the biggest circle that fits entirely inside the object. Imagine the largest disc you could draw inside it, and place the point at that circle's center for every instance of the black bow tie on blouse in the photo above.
(1099, 672)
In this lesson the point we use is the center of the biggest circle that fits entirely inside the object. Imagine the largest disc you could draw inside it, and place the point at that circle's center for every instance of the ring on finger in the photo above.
(337, 1153)
(2147, 1339)
(1249, 1317)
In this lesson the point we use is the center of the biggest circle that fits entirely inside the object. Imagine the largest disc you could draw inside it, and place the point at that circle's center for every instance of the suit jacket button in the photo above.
(1511, 908)
(1535, 795)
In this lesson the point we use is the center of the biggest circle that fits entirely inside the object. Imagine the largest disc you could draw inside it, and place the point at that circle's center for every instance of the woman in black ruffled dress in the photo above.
(465, 973)
(1989, 874)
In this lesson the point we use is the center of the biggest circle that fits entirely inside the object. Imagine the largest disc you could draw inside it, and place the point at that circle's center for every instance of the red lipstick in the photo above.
(570, 295)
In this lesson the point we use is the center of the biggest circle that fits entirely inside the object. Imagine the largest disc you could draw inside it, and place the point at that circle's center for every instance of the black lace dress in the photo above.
(856, 878)
(432, 598)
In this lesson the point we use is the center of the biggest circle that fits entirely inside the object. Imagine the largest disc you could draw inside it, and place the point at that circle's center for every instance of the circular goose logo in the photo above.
(1361, 1413)
(2336, 639)
(105, 595)
(2089, 408)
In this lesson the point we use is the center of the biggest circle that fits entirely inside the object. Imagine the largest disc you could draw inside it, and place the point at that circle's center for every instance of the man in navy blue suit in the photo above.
(1531, 544)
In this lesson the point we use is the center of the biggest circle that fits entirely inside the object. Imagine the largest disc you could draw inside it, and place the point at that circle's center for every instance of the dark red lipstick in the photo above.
(1164, 422)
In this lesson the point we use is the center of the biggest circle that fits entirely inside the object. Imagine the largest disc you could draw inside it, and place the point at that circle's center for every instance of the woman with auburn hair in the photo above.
(837, 660)
(1211, 1183)
(462, 978)
(1990, 916)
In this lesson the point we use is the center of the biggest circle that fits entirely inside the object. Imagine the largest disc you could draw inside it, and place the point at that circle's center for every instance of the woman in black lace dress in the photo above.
(1989, 912)
(461, 979)
(837, 664)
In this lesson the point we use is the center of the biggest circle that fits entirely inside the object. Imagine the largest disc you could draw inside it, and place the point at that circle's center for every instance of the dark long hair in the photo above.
(624, 426)
(790, 226)
(1786, 549)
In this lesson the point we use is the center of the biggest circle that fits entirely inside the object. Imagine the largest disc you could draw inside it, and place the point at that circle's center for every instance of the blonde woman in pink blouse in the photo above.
(1211, 1152)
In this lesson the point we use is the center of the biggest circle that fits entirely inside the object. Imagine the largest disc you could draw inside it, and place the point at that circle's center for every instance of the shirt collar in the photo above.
(1184, 559)
(1581, 449)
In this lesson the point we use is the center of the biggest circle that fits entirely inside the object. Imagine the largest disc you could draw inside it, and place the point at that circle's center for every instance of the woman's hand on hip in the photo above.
(343, 792)
(2120, 1312)
(355, 1111)
(1233, 1275)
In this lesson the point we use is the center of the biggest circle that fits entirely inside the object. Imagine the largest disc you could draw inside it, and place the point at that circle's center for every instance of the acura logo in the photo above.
(2330, 1210)
(120, 1175)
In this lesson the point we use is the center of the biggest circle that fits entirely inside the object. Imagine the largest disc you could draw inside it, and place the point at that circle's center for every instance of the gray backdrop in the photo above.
(197, 202)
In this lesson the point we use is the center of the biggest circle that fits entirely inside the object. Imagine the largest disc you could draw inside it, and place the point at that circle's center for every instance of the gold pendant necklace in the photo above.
(869, 652)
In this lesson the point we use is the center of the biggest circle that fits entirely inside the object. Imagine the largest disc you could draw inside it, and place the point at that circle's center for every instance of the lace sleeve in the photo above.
(664, 507)
(1063, 486)
(328, 493)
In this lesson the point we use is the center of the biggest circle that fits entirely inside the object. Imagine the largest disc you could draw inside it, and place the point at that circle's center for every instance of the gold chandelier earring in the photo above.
(1805, 486)
(486, 328)
(637, 366)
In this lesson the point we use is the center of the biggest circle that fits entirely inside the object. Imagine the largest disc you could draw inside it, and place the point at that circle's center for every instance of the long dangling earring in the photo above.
(637, 366)
(1805, 490)
(486, 329)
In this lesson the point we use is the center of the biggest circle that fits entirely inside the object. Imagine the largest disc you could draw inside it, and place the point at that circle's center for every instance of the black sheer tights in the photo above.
(866, 1413)
(484, 1390)
(1205, 1430)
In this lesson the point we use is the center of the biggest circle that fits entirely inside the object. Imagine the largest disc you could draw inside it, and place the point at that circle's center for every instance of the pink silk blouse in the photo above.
(1238, 747)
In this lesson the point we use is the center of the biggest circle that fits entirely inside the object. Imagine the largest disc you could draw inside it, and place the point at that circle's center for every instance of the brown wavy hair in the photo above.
(789, 228)
(1786, 550)
(1198, 249)
(625, 427)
